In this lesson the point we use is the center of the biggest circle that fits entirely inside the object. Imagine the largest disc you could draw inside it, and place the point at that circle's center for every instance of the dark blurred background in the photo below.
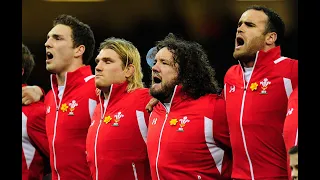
(212, 23)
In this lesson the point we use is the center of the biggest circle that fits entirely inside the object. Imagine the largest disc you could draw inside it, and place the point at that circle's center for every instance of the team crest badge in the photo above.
(264, 85)
(72, 106)
(182, 124)
(117, 119)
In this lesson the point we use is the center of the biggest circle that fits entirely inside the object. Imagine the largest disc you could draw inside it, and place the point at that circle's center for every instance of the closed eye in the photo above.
(107, 61)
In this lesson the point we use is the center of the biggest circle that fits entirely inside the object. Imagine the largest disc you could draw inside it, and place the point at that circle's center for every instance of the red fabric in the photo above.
(34, 142)
(201, 150)
(67, 127)
(256, 120)
(290, 129)
(120, 152)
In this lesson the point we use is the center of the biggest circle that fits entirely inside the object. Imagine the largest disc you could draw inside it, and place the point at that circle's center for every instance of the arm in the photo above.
(37, 129)
(151, 104)
(220, 124)
(31, 94)
(294, 78)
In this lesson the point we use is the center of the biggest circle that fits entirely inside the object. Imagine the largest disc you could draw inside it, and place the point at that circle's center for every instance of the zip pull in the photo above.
(134, 171)
(199, 177)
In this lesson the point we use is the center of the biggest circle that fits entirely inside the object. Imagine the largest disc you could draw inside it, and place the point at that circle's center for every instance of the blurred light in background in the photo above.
(258, 0)
(75, 0)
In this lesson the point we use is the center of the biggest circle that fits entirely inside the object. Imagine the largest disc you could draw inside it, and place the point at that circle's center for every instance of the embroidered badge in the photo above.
(64, 107)
(264, 85)
(289, 111)
(154, 121)
(254, 86)
(173, 122)
(48, 110)
(232, 89)
(117, 119)
(183, 123)
(72, 106)
(107, 119)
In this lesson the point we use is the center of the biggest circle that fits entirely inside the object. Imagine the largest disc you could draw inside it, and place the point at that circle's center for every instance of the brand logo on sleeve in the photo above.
(232, 89)
(48, 110)
(154, 121)
(290, 111)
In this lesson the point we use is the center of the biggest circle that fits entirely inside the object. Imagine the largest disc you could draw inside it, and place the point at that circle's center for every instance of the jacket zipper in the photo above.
(134, 171)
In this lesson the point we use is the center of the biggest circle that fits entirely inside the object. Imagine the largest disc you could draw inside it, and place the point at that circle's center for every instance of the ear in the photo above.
(129, 71)
(271, 38)
(79, 50)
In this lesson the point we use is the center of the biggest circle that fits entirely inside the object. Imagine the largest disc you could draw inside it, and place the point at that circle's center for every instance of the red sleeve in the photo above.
(37, 129)
(220, 124)
(146, 113)
(43, 94)
(294, 75)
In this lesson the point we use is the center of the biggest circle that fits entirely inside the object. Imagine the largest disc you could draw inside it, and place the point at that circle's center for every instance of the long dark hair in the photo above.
(195, 73)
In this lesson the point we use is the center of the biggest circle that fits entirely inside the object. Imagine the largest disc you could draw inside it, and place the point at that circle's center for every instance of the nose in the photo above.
(98, 67)
(155, 68)
(47, 44)
(294, 174)
(240, 28)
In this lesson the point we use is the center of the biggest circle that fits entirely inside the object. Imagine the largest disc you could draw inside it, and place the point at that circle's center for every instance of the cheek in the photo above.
(170, 77)
(113, 72)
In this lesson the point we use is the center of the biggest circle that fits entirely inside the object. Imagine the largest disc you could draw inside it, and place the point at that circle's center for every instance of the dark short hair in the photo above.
(27, 63)
(195, 73)
(293, 150)
(81, 34)
(274, 24)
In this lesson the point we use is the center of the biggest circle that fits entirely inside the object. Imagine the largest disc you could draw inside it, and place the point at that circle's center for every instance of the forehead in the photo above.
(165, 54)
(108, 53)
(253, 16)
(294, 158)
(61, 29)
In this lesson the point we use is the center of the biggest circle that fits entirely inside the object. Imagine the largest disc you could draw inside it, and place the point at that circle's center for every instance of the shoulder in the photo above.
(233, 69)
(141, 95)
(140, 92)
(285, 61)
(210, 100)
(294, 95)
(35, 109)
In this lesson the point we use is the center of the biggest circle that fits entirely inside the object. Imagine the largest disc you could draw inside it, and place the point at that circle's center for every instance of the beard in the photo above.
(165, 93)
(249, 51)
(245, 57)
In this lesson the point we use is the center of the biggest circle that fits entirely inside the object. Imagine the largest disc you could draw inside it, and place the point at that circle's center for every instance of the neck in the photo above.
(106, 92)
(168, 99)
(248, 64)
(60, 79)
(61, 76)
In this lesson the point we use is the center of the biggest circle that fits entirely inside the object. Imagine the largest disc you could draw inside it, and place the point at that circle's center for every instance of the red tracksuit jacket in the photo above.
(256, 112)
(188, 141)
(67, 124)
(116, 141)
(35, 149)
(290, 129)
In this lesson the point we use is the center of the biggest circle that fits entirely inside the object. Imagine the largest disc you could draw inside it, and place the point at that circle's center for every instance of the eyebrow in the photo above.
(161, 59)
(104, 59)
(247, 23)
(54, 35)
